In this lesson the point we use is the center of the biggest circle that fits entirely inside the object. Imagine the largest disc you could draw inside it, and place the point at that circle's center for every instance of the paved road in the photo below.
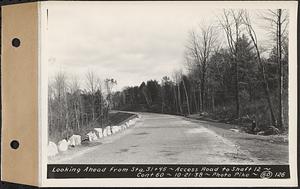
(159, 138)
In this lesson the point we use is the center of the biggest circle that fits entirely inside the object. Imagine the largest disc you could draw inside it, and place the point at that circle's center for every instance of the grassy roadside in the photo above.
(266, 149)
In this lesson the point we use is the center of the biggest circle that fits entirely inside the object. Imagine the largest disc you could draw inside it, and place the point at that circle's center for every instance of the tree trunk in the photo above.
(93, 107)
(76, 117)
(175, 99)
(202, 88)
(237, 99)
(213, 101)
(266, 86)
(187, 97)
(279, 57)
(262, 68)
(200, 99)
(267, 92)
(195, 100)
(162, 101)
(67, 115)
(179, 98)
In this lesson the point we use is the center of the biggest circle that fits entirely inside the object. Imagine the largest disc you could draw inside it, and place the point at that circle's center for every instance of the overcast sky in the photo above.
(129, 42)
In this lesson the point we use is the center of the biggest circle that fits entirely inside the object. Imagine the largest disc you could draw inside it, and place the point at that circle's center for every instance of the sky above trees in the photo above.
(131, 43)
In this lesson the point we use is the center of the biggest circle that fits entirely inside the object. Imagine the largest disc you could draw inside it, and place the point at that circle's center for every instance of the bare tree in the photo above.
(186, 94)
(253, 37)
(99, 98)
(175, 97)
(75, 92)
(91, 86)
(231, 23)
(193, 67)
(60, 96)
(194, 84)
(177, 79)
(279, 22)
(201, 46)
(164, 81)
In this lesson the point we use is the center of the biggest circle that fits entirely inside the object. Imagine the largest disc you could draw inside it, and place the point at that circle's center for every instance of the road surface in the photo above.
(166, 139)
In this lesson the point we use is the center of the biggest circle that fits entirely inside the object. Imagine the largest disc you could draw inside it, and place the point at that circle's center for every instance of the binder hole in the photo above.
(14, 144)
(16, 42)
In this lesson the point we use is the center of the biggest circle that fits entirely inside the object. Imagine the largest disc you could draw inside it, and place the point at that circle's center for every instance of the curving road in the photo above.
(159, 138)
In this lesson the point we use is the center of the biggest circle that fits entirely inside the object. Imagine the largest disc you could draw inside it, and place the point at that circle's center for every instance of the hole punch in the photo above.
(16, 42)
(14, 144)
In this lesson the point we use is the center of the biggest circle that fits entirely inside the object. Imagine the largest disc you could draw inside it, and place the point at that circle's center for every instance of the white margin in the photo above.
(43, 100)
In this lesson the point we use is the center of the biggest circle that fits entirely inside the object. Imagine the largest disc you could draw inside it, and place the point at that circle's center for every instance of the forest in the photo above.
(228, 76)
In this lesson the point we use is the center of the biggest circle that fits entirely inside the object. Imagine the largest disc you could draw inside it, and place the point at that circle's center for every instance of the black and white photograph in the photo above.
(149, 93)
(167, 83)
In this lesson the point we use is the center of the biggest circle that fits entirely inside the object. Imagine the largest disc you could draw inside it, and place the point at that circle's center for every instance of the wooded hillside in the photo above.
(230, 82)
(228, 76)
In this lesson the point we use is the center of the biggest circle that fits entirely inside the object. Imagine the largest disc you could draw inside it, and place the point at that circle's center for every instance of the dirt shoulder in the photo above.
(266, 149)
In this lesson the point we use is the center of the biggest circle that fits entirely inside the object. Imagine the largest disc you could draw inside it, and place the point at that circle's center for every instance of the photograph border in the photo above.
(43, 81)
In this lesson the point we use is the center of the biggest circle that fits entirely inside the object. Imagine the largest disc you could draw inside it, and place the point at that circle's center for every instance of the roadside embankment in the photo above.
(119, 121)
(263, 148)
